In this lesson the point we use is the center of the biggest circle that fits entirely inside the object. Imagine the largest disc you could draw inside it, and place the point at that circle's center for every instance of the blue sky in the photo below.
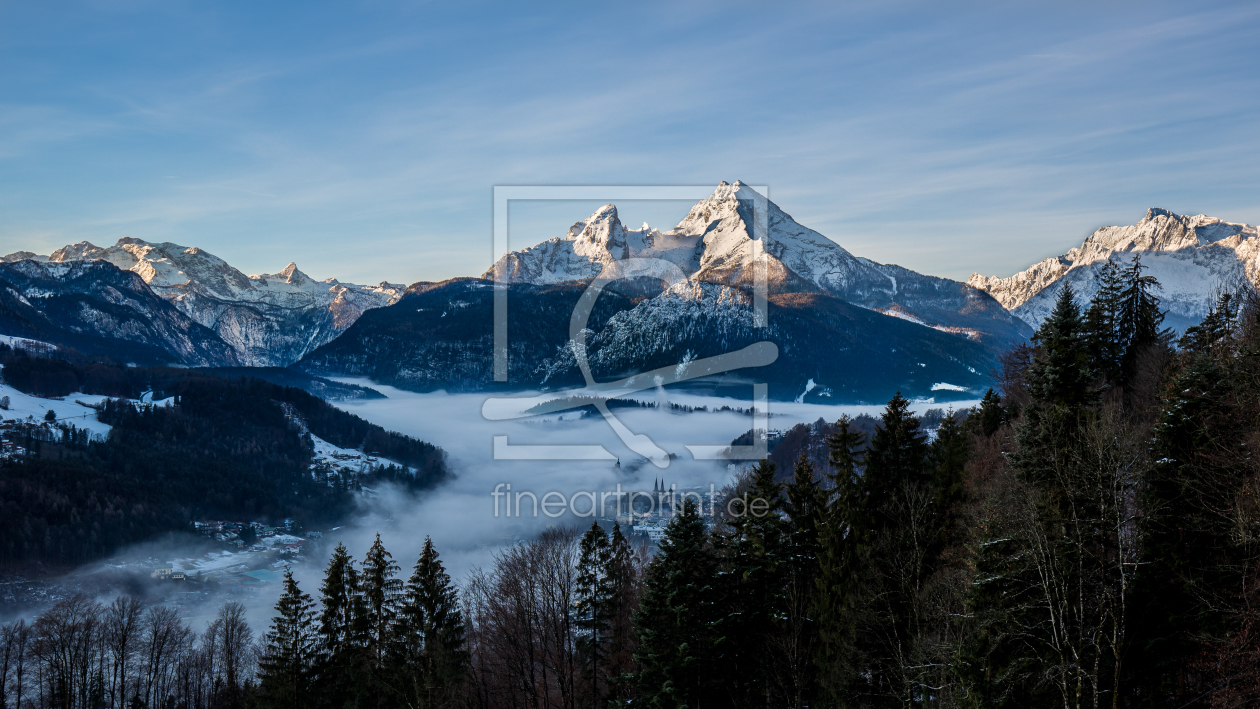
(362, 140)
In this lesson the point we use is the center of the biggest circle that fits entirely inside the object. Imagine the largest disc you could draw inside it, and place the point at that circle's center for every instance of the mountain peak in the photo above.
(600, 232)
(1154, 212)
(1188, 255)
(76, 252)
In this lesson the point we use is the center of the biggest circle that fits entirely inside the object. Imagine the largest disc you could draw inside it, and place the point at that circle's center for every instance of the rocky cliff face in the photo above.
(440, 336)
(95, 307)
(1193, 257)
(268, 319)
(715, 244)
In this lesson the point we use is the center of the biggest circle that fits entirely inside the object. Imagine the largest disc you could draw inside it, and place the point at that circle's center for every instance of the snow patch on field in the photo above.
(809, 386)
(75, 409)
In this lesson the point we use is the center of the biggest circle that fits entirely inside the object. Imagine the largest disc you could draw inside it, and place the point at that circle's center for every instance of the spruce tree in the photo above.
(1103, 338)
(877, 619)
(1140, 317)
(1189, 535)
(594, 594)
(288, 658)
(1059, 382)
(751, 588)
(677, 653)
(836, 656)
(339, 642)
(623, 583)
(949, 453)
(896, 457)
(1060, 374)
(1054, 549)
(382, 592)
(989, 416)
(1216, 326)
(797, 632)
(432, 659)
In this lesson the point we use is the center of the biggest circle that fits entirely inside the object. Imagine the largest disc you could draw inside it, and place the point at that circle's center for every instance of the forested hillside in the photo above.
(226, 448)
(1085, 538)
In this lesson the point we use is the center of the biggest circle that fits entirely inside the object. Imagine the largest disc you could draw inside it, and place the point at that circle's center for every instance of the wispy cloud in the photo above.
(948, 141)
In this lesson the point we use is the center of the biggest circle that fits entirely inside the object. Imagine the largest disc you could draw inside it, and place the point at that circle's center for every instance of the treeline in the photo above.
(226, 448)
(551, 624)
(372, 639)
(81, 654)
(70, 372)
(1087, 538)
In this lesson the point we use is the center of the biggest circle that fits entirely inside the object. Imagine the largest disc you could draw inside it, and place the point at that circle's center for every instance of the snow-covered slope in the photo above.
(269, 319)
(94, 307)
(714, 243)
(1191, 256)
(849, 352)
(589, 246)
(76, 409)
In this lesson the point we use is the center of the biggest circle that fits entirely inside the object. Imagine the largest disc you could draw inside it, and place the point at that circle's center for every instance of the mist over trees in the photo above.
(223, 448)
(1086, 537)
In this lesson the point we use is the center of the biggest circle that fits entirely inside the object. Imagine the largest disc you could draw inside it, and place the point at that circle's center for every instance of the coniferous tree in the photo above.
(837, 657)
(1103, 339)
(381, 592)
(623, 584)
(1140, 318)
(949, 453)
(287, 662)
(1216, 326)
(989, 416)
(340, 642)
(1009, 650)
(594, 596)
(432, 658)
(1190, 531)
(751, 589)
(1054, 548)
(677, 653)
(888, 554)
(796, 637)
(1060, 374)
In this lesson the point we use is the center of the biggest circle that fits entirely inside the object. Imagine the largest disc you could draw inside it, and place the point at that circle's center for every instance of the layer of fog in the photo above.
(459, 514)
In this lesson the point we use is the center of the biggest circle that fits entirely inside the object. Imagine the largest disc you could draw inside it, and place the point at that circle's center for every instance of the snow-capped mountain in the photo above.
(715, 244)
(441, 336)
(268, 319)
(1193, 257)
(95, 307)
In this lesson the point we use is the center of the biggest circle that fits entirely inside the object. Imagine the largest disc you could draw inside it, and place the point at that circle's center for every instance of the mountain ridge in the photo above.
(268, 319)
(1191, 256)
(714, 243)
(96, 307)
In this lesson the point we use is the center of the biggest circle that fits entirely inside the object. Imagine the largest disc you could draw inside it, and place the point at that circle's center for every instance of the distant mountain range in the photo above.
(714, 244)
(441, 337)
(95, 307)
(1193, 258)
(845, 326)
(265, 320)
